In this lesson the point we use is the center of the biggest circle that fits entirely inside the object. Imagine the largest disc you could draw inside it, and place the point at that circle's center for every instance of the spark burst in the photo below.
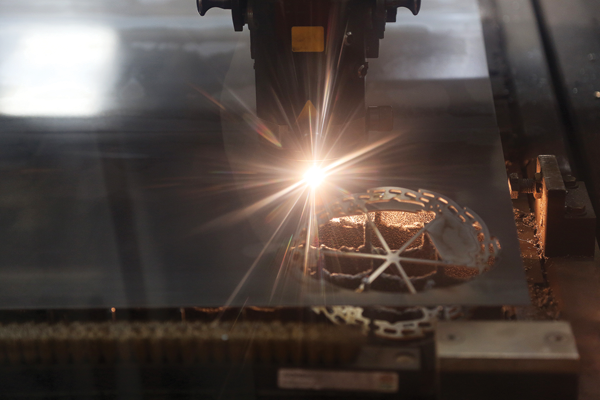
(291, 189)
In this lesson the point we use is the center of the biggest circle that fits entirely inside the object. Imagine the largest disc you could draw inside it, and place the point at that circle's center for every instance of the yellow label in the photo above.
(308, 39)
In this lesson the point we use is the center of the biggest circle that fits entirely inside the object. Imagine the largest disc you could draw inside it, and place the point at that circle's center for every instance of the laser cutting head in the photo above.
(310, 67)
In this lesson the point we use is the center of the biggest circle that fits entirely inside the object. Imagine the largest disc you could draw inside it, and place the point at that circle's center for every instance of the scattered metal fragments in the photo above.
(398, 240)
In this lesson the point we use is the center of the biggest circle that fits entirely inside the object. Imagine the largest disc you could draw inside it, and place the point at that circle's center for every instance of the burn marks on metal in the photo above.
(411, 241)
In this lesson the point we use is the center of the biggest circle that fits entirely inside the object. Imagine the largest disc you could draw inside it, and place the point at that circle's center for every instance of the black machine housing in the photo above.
(330, 83)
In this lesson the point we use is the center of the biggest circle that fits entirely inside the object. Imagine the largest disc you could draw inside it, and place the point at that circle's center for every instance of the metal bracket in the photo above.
(506, 360)
(564, 214)
(237, 7)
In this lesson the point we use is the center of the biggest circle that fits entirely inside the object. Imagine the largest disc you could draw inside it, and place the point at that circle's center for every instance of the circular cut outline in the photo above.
(448, 217)
(407, 200)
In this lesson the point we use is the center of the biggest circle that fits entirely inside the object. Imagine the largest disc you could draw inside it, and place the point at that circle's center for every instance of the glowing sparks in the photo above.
(281, 191)
(314, 177)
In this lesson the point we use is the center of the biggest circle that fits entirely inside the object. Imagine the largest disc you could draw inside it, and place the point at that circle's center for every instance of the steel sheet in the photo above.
(104, 194)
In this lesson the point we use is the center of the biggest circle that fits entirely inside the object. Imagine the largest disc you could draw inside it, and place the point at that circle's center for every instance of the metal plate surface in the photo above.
(509, 347)
(570, 33)
(116, 155)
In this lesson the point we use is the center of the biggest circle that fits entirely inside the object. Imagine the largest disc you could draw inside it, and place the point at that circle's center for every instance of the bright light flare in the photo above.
(314, 177)
(57, 70)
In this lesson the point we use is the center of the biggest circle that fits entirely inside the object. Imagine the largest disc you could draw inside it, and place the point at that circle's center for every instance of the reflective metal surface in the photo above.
(117, 157)
(523, 346)
(570, 33)
(543, 131)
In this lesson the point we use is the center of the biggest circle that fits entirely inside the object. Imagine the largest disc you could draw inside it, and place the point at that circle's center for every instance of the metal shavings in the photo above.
(400, 240)
(390, 232)
(422, 320)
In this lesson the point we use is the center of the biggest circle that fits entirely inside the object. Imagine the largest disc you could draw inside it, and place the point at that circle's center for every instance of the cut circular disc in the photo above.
(397, 240)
